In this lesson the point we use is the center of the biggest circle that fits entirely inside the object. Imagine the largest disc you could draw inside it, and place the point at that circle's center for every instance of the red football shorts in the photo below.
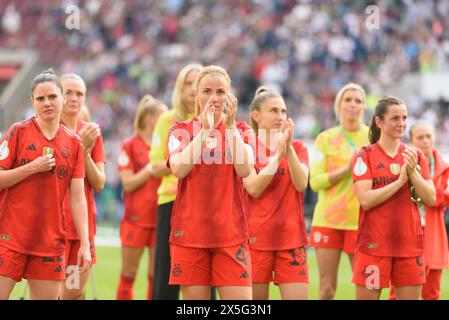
(132, 235)
(289, 266)
(17, 265)
(71, 251)
(230, 266)
(379, 272)
(344, 240)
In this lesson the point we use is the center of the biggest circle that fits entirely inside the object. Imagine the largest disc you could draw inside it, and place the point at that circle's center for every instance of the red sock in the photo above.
(125, 288)
(392, 294)
(150, 288)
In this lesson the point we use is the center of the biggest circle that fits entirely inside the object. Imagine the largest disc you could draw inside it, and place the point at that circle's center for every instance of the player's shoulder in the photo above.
(331, 132)
(372, 151)
(185, 125)
(130, 141)
(327, 134)
(368, 149)
(18, 127)
(166, 119)
(81, 123)
(167, 115)
(364, 129)
(242, 125)
(70, 134)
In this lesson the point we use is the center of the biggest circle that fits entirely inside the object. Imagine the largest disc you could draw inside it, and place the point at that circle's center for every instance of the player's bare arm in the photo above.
(11, 177)
(370, 198)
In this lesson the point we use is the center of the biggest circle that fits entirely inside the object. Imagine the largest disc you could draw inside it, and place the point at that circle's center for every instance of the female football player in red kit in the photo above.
(138, 227)
(422, 136)
(209, 233)
(387, 176)
(94, 159)
(276, 213)
(41, 161)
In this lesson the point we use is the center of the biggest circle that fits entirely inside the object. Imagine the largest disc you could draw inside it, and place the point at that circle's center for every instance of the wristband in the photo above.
(149, 167)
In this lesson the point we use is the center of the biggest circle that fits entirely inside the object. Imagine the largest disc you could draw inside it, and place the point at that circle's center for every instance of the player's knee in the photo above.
(327, 292)
(130, 272)
(78, 295)
(73, 294)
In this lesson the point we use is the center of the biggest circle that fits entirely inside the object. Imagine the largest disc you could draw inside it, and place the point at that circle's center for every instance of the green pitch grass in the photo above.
(107, 273)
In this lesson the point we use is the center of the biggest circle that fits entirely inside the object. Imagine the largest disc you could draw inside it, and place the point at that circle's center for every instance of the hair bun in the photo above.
(263, 89)
(49, 70)
(148, 98)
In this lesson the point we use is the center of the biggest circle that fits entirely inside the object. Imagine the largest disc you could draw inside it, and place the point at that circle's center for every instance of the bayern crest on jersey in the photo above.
(395, 168)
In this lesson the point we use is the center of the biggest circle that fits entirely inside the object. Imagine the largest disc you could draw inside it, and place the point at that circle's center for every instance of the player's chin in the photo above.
(399, 135)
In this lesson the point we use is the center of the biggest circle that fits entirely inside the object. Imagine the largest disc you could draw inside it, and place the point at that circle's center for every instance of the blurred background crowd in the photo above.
(306, 50)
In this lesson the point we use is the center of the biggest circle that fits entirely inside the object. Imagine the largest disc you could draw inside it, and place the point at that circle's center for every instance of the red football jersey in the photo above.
(211, 206)
(141, 204)
(276, 218)
(97, 155)
(31, 217)
(393, 228)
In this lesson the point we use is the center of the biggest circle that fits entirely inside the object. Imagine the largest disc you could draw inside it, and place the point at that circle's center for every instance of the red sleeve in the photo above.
(97, 153)
(178, 140)
(442, 191)
(79, 170)
(8, 148)
(301, 151)
(422, 161)
(125, 159)
(360, 166)
(248, 136)
(247, 133)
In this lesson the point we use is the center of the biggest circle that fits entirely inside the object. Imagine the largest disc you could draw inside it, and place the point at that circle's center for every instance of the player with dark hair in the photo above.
(388, 178)
(40, 162)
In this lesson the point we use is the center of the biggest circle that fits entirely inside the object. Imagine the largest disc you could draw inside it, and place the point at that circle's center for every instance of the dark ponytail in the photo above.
(380, 111)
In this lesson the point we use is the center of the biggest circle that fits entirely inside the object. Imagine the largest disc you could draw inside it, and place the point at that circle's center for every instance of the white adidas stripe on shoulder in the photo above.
(70, 132)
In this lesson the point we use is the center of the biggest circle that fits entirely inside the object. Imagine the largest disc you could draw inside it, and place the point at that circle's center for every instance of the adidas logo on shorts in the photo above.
(58, 269)
(244, 275)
